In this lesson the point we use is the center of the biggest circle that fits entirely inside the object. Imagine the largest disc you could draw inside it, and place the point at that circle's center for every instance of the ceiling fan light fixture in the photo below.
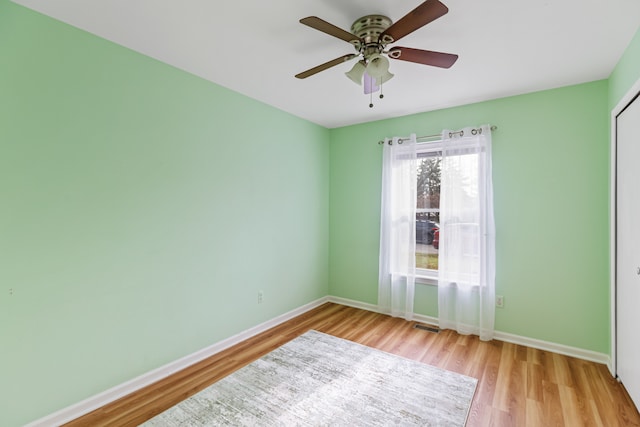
(356, 73)
(384, 78)
(378, 66)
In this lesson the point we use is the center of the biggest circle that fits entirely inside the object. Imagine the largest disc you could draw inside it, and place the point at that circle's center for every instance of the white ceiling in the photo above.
(255, 47)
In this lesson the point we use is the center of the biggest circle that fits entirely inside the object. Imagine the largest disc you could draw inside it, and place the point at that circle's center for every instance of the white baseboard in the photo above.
(578, 353)
(355, 304)
(426, 319)
(501, 336)
(376, 309)
(101, 399)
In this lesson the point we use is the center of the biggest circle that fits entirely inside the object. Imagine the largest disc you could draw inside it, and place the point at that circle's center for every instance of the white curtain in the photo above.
(398, 228)
(466, 266)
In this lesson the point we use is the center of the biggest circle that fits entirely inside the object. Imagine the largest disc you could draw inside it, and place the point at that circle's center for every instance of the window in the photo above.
(439, 194)
(428, 209)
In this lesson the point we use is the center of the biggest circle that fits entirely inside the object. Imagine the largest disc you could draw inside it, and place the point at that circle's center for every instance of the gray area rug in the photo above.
(321, 380)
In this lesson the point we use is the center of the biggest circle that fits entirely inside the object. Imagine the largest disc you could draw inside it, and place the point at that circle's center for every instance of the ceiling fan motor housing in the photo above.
(368, 29)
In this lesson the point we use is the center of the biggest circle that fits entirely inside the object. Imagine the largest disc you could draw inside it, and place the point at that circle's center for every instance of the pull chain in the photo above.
(371, 96)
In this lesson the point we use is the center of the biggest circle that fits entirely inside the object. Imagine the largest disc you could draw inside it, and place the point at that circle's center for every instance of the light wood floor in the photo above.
(518, 386)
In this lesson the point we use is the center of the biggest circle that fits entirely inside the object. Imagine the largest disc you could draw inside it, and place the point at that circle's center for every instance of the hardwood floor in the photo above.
(518, 386)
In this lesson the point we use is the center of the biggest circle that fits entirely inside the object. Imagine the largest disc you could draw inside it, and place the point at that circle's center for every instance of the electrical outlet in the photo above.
(499, 301)
(260, 296)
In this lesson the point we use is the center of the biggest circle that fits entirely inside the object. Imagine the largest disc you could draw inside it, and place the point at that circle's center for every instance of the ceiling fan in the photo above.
(370, 36)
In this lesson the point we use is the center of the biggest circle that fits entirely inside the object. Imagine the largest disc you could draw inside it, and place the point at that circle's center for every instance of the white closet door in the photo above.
(628, 249)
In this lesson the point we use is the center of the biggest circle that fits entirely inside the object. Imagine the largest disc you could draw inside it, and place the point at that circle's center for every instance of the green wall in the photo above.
(626, 73)
(550, 160)
(142, 210)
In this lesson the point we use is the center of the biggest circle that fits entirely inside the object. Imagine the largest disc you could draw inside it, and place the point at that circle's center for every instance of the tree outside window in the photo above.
(428, 210)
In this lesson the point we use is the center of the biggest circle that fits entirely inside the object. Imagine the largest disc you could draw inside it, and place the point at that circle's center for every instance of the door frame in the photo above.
(630, 96)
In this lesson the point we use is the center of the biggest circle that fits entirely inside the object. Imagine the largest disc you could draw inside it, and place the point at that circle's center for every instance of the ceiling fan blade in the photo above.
(325, 66)
(332, 30)
(427, 12)
(426, 57)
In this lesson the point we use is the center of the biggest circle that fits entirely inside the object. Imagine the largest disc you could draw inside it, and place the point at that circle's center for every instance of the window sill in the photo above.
(430, 277)
(427, 280)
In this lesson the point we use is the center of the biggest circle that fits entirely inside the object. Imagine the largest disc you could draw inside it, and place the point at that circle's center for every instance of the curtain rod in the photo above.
(401, 140)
